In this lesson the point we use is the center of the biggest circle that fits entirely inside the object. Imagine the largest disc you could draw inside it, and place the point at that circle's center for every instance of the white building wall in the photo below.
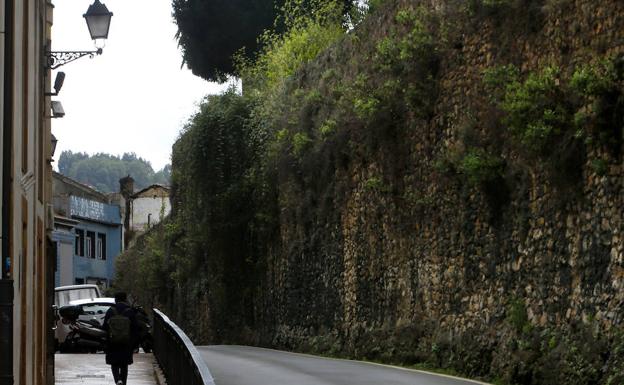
(148, 207)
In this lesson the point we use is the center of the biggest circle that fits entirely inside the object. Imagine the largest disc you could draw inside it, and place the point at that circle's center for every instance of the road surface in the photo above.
(242, 365)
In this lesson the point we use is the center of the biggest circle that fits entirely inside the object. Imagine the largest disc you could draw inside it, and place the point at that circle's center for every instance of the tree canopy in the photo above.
(211, 32)
(103, 171)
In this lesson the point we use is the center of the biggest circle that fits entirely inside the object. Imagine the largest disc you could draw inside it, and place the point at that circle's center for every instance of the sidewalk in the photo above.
(90, 369)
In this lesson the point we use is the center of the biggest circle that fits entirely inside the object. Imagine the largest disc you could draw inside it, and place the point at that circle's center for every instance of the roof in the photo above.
(85, 301)
(81, 186)
(154, 186)
(74, 287)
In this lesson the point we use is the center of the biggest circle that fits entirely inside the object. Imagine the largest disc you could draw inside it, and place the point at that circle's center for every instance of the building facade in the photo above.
(142, 209)
(88, 234)
(26, 280)
(148, 207)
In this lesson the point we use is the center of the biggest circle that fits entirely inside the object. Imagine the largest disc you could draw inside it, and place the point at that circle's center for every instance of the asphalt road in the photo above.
(242, 365)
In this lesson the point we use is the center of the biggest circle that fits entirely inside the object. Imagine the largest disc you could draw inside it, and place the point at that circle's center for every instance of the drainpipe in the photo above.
(6, 127)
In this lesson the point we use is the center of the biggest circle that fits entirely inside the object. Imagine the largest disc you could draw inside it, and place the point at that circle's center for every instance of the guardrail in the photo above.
(176, 354)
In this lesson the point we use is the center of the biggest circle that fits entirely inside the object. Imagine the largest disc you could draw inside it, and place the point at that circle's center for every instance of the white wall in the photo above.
(143, 207)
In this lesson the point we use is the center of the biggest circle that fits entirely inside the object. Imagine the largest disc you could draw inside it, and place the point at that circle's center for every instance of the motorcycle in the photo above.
(87, 336)
(84, 336)
(146, 340)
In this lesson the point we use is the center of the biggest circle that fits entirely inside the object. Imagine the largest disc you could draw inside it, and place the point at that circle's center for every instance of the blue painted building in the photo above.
(88, 234)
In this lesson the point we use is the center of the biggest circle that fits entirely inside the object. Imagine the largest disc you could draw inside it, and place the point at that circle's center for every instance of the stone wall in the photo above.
(367, 272)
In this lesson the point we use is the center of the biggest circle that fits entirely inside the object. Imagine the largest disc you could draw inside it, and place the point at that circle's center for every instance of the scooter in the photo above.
(84, 336)
(146, 340)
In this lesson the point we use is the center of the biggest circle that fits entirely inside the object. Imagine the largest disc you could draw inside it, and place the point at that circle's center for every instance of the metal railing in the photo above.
(181, 362)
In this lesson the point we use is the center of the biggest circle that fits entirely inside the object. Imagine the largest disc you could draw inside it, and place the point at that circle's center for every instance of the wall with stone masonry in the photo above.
(421, 259)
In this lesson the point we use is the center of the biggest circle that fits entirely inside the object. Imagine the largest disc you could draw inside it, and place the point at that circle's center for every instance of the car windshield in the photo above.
(62, 297)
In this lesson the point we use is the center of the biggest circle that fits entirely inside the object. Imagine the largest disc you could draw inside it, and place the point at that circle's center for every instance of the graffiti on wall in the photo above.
(85, 208)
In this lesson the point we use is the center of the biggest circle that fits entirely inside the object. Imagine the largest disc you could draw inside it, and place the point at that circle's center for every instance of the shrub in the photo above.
(600, 166)
(594, 79)
(306, 36)
(536, 109)
(412, 40)
(366, 107)
(409, 56)
(375, 184)
(328, 128)
(548, 112)
(517, 315)
(480, 167)
(301, 141)
(497, 78)
(600, 112)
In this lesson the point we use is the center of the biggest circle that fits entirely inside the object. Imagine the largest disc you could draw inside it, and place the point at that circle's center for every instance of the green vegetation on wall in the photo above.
(547, 109)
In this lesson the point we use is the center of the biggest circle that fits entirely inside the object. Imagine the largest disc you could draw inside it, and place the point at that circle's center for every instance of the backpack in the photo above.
(119, 328)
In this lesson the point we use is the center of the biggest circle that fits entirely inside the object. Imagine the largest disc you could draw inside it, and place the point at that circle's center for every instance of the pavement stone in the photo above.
(91, 369)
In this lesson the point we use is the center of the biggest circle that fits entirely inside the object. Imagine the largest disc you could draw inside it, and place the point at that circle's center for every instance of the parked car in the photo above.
(63, 295)
(93, 309)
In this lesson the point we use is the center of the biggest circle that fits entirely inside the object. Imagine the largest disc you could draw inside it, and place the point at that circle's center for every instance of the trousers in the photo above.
(120, 373)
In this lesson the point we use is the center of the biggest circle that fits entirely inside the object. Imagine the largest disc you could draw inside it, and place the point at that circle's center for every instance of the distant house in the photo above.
(148, 207)
(142, 209)
(88, 233)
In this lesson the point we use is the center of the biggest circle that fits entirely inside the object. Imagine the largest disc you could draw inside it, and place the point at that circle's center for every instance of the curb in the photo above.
(158, 374)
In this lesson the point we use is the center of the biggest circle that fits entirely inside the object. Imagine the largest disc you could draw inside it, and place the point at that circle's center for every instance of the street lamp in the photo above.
(98, 19)
(54, 142)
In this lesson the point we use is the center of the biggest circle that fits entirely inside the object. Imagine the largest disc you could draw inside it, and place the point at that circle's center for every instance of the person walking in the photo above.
(121, 326)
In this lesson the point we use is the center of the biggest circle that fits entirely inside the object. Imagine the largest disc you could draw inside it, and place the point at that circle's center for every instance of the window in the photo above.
(79, 281)
(90, 244)
(95, 309)
(79, 247)
(101, 247)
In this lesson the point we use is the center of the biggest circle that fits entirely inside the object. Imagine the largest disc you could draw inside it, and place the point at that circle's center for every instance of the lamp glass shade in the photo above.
(54, 142)
(98, 20)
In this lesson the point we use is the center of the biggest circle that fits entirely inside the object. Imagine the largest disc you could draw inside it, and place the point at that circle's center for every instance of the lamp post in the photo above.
(98, 19)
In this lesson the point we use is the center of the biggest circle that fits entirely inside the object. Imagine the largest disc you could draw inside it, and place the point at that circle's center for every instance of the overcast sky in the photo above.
(132, 98)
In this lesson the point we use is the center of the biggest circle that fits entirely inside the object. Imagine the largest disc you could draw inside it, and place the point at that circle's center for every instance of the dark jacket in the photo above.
(121, 355)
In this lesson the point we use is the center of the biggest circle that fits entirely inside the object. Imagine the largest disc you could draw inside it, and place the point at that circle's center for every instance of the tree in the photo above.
(103, 171)
(68, 158)
(210, 32)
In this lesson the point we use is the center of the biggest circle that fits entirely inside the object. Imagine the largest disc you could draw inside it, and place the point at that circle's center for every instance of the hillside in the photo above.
(102, 171)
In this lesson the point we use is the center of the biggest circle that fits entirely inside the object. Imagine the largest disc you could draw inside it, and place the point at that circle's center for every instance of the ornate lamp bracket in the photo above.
(56, 59)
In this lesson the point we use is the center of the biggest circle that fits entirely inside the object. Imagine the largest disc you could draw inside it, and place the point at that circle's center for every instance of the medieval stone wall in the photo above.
(380, 273)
